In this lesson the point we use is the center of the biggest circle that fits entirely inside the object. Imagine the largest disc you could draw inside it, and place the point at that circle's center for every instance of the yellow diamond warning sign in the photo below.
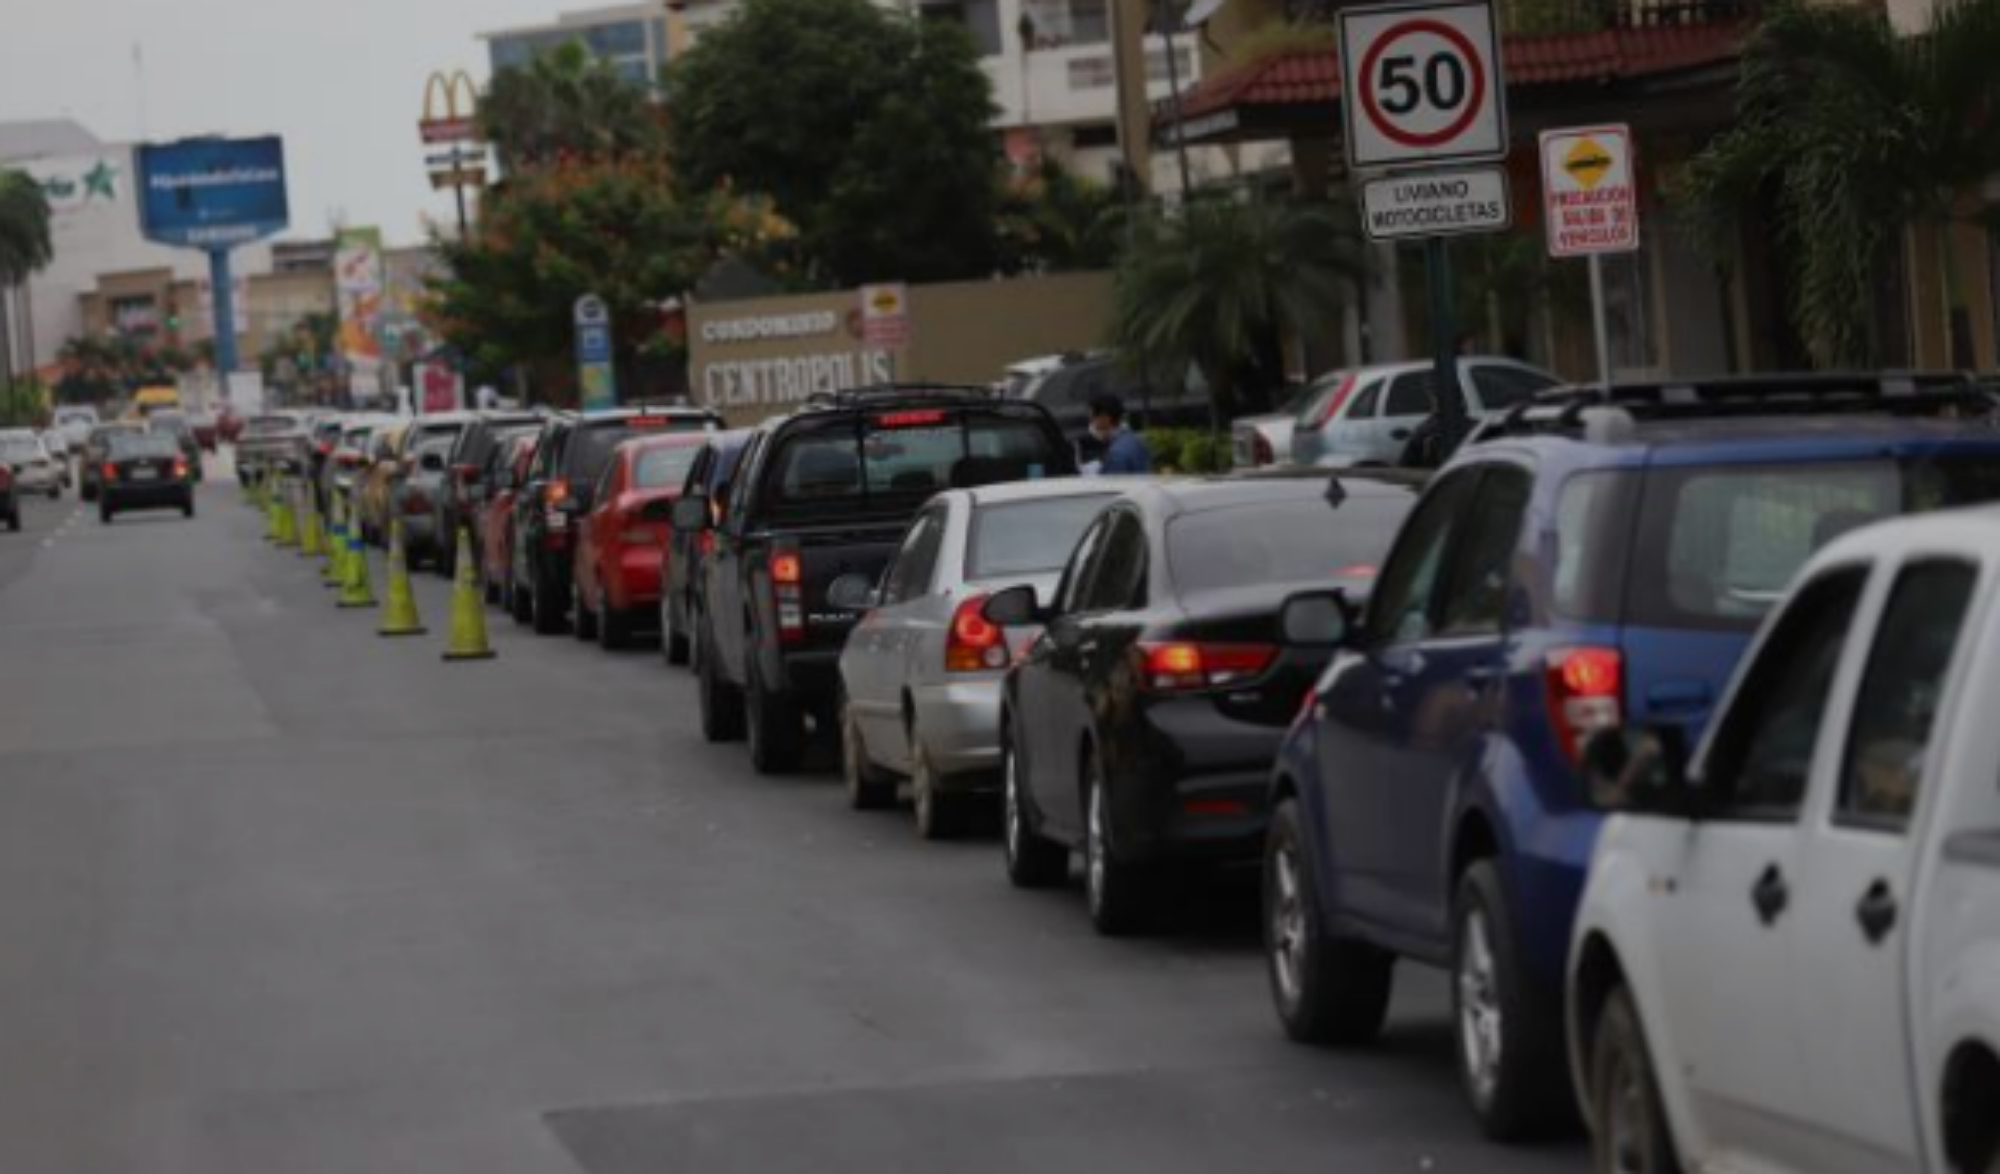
(1588, 190)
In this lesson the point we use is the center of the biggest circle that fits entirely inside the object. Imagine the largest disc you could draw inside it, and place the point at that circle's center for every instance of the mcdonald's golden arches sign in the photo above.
(451, 108)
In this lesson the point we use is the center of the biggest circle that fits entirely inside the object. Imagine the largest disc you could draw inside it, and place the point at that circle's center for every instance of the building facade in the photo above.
(631, 38)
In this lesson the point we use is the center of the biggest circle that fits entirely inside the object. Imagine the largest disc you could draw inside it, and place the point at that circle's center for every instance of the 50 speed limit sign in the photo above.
(1421, 84)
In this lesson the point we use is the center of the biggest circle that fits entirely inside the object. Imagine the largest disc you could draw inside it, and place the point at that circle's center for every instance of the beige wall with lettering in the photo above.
(755, 358)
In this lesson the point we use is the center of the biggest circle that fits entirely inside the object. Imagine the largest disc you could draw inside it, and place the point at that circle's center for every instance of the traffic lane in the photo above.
(359, 909)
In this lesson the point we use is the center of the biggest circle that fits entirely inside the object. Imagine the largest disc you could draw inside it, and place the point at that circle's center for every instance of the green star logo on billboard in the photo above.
(82, 183)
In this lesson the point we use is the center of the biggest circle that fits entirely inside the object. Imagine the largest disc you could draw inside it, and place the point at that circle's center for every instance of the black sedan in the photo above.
(145, 471)
(1140, 728)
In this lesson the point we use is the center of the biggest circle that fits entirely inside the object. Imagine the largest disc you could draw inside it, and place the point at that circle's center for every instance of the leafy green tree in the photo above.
(25, 245)
(1055, 221)
(23, 404)
(1849, 134)
(106, 367)
(869, 129)
(1202, 286)
(567, 104)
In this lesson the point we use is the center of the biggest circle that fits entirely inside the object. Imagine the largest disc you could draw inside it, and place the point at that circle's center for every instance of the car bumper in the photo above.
(812, 677)
(419, 531)
(161, 496)
(637, 582)
(39, 480)
(960, 722)
(1192, 784)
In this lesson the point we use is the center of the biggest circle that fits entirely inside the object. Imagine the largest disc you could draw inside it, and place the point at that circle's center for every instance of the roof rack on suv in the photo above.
(1609, 412)
(863, 396)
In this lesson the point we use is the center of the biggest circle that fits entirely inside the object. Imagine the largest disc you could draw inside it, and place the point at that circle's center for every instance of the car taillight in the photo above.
(180, 469)
(788, 592)
(974, 643)
(1336, 401)
(325, 448)
(110, 471)
(417, 502)
(1586, 688)
(1183, 666)
(555, 492)
(706, 541)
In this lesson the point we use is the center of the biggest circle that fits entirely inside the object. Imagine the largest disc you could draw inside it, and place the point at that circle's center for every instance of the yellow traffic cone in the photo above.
(288, 523)
(355, 589)
(270, 518)
(399, 606)
(311, 544)
(332, 574)
(468, 610)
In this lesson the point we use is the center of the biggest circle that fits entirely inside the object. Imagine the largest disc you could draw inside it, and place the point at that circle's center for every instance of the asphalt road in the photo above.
(280, 897)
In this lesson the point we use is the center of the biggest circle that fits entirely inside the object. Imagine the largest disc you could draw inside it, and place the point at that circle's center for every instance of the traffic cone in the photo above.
(288, 523)
(311, 544)
(399, 606)
(355, 589)
(336, 546)
(468, 610)
(270, 518)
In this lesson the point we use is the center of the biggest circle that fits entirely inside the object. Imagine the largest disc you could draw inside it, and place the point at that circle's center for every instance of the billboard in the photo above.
(212, 193)
(358, 292)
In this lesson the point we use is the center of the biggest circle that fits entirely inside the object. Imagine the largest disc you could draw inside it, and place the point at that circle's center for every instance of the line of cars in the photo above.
(1412, 701)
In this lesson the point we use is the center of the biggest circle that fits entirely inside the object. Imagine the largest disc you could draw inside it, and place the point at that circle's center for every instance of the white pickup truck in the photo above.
(1788, 952)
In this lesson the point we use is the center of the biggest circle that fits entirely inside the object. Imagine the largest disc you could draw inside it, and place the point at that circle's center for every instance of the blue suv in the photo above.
(1592, 558)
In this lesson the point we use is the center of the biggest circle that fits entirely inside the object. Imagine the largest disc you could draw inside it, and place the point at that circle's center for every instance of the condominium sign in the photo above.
(786, 351)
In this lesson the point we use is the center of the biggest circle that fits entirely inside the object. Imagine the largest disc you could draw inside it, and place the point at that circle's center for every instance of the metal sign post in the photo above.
(1421, 87)
(1593, 209)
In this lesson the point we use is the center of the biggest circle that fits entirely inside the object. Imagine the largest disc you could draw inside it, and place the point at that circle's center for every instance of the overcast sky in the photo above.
(341, 80)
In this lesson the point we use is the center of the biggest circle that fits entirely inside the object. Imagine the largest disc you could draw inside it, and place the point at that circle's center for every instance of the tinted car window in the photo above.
(1401, 607)
(1028, 537)
(1591, 537)
(1119, 581)
(663, 468)
(1474, 600)
(1763, 751)
(916, 562)
(1366, 400)
(143, 444)
(1301, 541)
(1900, 691)
(1410, 395)
(897, 459)
(1718, 545)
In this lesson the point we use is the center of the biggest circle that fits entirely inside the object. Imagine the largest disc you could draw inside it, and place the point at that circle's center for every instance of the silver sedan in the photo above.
(921, 673)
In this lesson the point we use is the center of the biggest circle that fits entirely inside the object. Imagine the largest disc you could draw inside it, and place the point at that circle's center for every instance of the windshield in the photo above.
(664, 468)
(894, 460)
(1304, 541)
(1718, 546)
(1028, 537)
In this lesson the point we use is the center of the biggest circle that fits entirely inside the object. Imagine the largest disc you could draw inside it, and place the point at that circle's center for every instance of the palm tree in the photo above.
(566, 102)
(24, 227)
(1850, 133)
(1205, 286)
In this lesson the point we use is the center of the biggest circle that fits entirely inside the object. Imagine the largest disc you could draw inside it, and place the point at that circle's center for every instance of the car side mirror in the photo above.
(1639, 771)
(853, 593)
(431, 462)
(1015, 607)
(691, 514)
(1316, 619)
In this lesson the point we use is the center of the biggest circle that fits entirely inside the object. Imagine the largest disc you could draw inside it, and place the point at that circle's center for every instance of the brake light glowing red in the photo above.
(110, 471)
(1586, 690)
(787, 569)
(180, 469)
(788, 594)
(974, 644)
(915, 418)
(557, 492)
(1336, 401)
(1184, 666)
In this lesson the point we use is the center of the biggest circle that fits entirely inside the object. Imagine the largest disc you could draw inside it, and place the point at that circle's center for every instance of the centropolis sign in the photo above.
(792, 357)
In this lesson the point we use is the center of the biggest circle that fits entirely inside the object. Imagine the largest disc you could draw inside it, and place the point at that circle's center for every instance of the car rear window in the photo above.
(1301, 541)
(269, 425)
(1717, 546)
(896, 459)
(144, 444)
(1029, 537)
(19, 448)
(664, 468)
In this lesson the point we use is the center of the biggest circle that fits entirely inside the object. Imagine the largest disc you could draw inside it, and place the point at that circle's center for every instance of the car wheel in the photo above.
(520, 604)
(940, 813)
(550, 606)
(1327, 990)
(1032, 861)
(720, 703)
(776, 728)
(187, 508)
(1632, 1136)
(445, 562)
(585, 627)
(673, 644)
(1120, 895)
(14, 521)
(1509, 1035)
(614, 627)
(868, 787)
(492, 592)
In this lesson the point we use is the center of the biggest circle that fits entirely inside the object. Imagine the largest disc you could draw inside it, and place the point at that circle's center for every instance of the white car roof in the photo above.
(1050, 487)
(1970, 532)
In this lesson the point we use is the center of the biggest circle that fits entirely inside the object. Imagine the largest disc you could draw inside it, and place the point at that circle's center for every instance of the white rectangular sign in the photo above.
(1591, 197)
(1436, 203)
(1421, 83)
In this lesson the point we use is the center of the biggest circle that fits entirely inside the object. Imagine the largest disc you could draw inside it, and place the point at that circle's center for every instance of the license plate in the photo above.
(558, 521)
(145, 474)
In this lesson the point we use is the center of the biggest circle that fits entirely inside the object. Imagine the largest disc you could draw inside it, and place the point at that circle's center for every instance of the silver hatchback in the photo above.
(1367, 416)
(921, 673)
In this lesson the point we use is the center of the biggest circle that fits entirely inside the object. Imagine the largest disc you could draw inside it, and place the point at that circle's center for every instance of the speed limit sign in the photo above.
(1421, 84)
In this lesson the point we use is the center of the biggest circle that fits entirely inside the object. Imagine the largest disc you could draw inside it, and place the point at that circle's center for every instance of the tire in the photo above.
(550, 606)
(869, 787)
(14, 520)
(720, 703)
(1509, 1036)
(585, 626)
(775, 727)
(491, 590)
(1032, 862)
(940, 813)
(673, 644)
(1632, 1134)
(1120, 895)
(614, 627)
(187, 508)
(1325, 989)
(444, 563)
(520, 604)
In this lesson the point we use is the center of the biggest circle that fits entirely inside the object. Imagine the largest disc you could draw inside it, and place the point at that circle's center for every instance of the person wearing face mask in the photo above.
(1125, 451)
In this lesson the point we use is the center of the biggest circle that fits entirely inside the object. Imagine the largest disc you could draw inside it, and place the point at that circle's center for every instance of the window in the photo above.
(1400, 610)
(1028, 537)
(1474, 600)
(1119, 580)
(1898, 702)
(1505, 387)
(899, 466)
(1762, 756)
(1076, 576)
(1365, 401)
(663, 468)
(1410, 395)
(911, 574)
(1592, 529)
(1307, 541)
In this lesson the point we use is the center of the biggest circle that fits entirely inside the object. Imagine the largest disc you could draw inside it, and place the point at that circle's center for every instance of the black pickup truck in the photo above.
(825, 492)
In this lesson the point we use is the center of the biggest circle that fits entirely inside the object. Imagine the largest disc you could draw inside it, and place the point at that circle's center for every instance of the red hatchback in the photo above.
(494, 521)
(623, 541)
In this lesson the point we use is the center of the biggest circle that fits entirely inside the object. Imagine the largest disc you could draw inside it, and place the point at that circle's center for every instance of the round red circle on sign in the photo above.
(1371, 105)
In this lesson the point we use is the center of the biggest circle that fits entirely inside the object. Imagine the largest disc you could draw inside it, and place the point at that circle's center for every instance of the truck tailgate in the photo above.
(829, 552)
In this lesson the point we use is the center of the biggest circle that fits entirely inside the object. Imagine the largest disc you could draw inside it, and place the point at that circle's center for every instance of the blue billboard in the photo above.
(212, 193)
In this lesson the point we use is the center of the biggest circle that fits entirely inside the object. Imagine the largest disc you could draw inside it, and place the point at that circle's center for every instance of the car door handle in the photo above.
(1876, 912)
(1770, 895)
(1399, 434)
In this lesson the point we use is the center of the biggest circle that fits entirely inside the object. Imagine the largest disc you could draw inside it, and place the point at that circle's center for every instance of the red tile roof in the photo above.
(1312, 77)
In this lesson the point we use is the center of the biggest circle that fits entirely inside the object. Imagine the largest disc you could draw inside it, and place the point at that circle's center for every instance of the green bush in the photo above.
(1187, 450)
(22, 405)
